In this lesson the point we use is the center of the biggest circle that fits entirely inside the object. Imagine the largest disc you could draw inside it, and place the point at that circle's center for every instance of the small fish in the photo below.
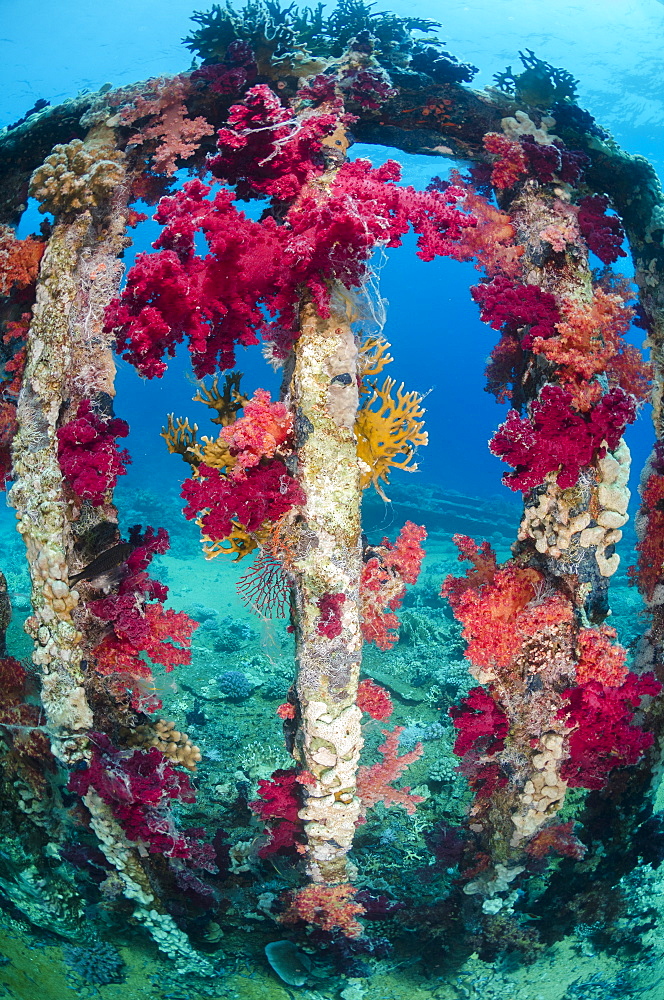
(105, 562)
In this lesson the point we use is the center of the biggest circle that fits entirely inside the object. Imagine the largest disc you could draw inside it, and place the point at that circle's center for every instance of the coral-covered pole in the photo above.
(557, 520)
(324, 397)
(66, 359)
(70, 360)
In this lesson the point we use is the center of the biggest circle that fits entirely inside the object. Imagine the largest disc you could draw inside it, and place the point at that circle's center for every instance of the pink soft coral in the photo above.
(161, 102)
(557, 438)
(262, 429)
(88, 454)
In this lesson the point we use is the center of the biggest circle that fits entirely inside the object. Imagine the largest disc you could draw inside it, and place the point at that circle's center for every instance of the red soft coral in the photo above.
(601, 734)
(138, 788)
(557, 438)
(491, 614)
(329, 624)
(259, 269)
(329, 907)
(650, 545)
(88, 454)
(599, 659)
(266, 150)
(482, 724)
(510, 165)
(278, 807)
(381, 594)
(19, 260)
(264, 494)
(374, 700)
(406, 555)
(517, 307)
(603, 233)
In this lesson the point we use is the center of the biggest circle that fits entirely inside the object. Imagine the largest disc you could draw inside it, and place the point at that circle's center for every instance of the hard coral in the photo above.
(73, 178)
(388, 436)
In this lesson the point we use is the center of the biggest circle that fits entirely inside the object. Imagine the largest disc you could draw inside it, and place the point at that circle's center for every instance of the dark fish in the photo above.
(105, 562)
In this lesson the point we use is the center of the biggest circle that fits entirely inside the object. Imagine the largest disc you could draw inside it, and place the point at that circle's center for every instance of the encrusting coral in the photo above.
(77, 176)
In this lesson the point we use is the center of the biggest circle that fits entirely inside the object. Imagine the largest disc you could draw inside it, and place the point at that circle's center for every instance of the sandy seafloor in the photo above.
(241, 742)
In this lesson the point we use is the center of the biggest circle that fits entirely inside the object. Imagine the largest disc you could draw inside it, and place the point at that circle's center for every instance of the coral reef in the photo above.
(553, 722)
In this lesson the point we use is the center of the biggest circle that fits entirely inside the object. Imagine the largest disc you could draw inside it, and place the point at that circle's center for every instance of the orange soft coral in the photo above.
(491, 242)
(375, 783)
(491, 616)
(329, 907)
(599, 658)
(19, 260)
(590, 342)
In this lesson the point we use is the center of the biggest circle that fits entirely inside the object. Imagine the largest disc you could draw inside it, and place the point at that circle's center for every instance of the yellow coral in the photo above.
(226, 402)
(238, 543)
(163, 735)
(75, 177)
(372, 358)
(387, 437)
(180, 439)
(215, 453)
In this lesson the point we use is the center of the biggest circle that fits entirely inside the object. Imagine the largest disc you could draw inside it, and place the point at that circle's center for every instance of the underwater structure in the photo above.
(94, 781)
